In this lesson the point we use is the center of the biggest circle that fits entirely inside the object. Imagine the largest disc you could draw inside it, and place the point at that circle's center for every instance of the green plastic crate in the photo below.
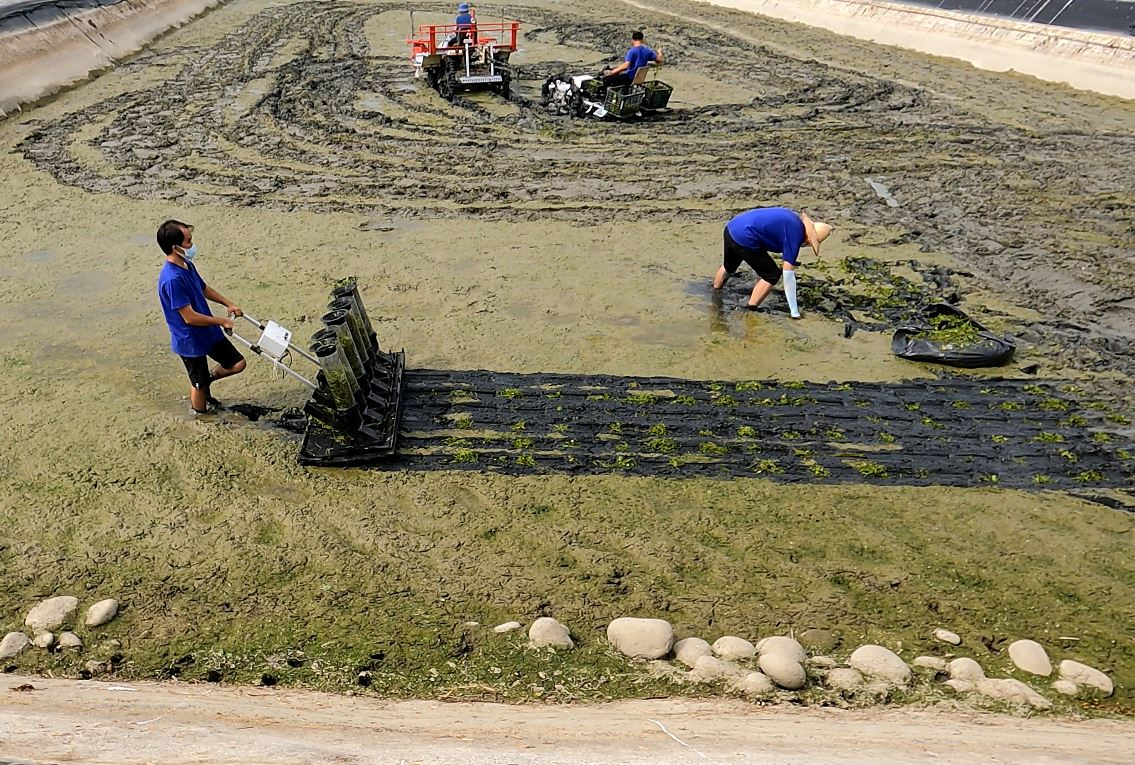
(657, 94)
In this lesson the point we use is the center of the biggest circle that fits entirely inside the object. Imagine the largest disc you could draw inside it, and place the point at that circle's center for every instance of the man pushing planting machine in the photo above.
(355, 408)
(466, 55)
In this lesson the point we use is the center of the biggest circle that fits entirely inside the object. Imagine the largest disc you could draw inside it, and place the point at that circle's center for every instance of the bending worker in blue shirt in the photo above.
(637, 57)
(195, 333)
(752, 235)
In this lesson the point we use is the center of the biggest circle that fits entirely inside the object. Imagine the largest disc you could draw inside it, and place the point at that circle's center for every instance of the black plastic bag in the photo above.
(953, 338)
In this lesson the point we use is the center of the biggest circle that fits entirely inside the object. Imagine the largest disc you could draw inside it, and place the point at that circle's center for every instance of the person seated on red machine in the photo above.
(466, 24)
(637, 57)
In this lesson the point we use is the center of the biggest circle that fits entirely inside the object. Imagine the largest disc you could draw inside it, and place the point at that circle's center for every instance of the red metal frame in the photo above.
(483, 34)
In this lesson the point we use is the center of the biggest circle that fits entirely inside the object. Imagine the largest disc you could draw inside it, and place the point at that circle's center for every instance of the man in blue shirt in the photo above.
(637, 57)
(195, 334)
(753, 234)
(465, 21)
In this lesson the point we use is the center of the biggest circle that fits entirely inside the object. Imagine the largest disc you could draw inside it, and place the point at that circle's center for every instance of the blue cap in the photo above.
(462, 7)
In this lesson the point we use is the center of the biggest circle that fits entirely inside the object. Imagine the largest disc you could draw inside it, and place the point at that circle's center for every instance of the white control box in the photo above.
(274, 341)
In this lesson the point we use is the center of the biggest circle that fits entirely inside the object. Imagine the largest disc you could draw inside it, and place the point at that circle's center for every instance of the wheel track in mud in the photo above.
(944, 433)
(293, 110)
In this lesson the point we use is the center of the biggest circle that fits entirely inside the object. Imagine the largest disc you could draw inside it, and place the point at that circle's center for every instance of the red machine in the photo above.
(473, 56)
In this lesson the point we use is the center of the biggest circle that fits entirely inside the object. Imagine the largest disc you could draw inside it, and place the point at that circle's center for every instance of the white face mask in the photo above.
(189, 254)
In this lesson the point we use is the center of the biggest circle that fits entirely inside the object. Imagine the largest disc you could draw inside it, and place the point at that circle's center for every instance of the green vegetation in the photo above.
(642, 398)
(886, 437)
(949, 331)
(662, 445)
(1049, 438)
(519, 425)
(463, 422)
(685, 400)
(868, 469)
(510, 393)
(999, 439)
(746, 431)
(724, 400)
(767, 467)
(658, 429)
(712, 449)
(1088, 476)
(464, 455)
(522, 443)
(751, 385)
(527, 460)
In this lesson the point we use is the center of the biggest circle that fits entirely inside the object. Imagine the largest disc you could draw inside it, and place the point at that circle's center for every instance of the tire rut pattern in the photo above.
(946, 432)
(293, 110)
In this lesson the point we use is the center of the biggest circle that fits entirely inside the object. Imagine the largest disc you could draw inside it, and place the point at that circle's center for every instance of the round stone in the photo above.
(1082, 674)
(930, 662)
(754, 684)
(546, 632)
(844, 679)
(879, 663)
(49, 615)
(500, 629)
(785, 645)
(689, 650)
(13, 645)
(732, 648)
(1030, 656)
(70, 640)
(965, 669)
(1066, 687)
(783, 669)
(708, 669)
(641, 638)
(947, 637)
(43, 640)
(101, 613)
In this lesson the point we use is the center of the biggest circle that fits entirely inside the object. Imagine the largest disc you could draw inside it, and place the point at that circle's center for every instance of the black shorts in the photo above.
(223, 352)
(758, 260)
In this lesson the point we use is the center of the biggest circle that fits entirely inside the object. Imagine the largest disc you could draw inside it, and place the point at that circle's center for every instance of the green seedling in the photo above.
(1101, 438)
(1011, 406)
(571, 443)
(642, 398)
(1123, 454)
(869, 469)
(1035, 390)
(724, 400)
(999, 439)
(886, 437)
(559, 427)
(518, 426)
(1069, 455)
(746, 431)
(1049, 438)
(913, 406)
(527, 460)
(615, 427)
(819, 471)
(1118, 419)
(1071, 389)
(1095, 405)
(706, 432)
(768, 467)
(662, 445)
(522, 443)
(463, 422)
(842, 386)
(557, 394)
(658, 429)
(991, 478)
(599, 397)
(960, 405)
(862, 403)
(793, 385)
(716, 387)
(685, 400)
(794, 435)
(510, 393)
(458, 443)
(1074, 421)
(1088, 476)
(1053, 405)
(710, 448)
(804, 453)
(622, 446)
(1041, 479)
(623, 462)
(835, 434)
(464, 455)
(751, 385)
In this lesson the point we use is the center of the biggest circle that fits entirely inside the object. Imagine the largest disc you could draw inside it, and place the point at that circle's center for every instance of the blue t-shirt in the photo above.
(464, 20)
(177, 288)
(770, 229)
(638, 57)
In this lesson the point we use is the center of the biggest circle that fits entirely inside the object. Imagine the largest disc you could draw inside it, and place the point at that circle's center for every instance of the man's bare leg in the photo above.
(719, 279)
(760, 292)
(198, 399)
(220, 373)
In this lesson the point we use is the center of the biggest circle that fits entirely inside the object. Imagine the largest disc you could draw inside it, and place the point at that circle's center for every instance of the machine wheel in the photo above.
(506, 88)
(431, 78)
(562, 95)
(445, 86)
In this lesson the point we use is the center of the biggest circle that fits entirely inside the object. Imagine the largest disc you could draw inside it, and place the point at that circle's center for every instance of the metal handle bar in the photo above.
(275, 361)
(291, 346)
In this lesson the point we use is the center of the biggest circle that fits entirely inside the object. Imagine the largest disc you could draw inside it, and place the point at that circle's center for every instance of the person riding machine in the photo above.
(622, 91)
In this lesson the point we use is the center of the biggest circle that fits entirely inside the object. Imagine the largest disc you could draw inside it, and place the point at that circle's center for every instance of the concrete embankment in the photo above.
(1096, 61)
(45, 46)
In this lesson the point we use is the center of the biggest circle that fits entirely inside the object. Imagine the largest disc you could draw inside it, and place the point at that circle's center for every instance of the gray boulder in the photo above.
(708, 669)
(501, 629)
(51, 614)
(1082, 674)
(101, 613)
(732, 648)
(689, 650)
(965, 669)
(13, 645)
(784, 645)
(947, 637)
(70, 640)
(1013, 691)
(1030, 656)
(1066, 687)
(43, 640)
(930, 662)
(879, 663)
(546, 632)
(754, 684)
(844, 679)
(783, 669)
(641, 638)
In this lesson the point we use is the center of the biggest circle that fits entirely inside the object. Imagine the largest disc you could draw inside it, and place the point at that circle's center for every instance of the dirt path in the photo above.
(67, 721)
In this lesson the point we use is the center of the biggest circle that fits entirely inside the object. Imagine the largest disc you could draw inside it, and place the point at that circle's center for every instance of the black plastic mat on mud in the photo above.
(956, 432)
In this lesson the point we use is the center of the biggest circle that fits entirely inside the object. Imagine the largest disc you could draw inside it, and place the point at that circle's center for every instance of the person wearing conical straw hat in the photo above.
(752, 235)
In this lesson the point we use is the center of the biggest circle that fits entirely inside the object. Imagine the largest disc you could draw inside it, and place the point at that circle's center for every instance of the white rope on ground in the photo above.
(680, 741)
